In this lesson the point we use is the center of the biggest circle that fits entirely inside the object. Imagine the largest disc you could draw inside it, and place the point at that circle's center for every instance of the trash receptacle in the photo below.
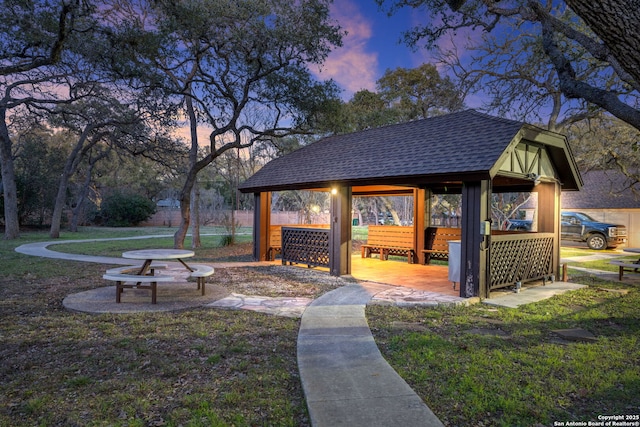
(454, 261)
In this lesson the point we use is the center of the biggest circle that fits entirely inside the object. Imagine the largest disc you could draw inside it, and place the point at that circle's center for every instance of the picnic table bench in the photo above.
(200, 272)
(127, 277)
(631, 266)
(437, 242)
(389, 240)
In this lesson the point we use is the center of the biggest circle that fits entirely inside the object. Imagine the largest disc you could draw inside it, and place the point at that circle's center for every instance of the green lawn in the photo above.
(114, 248)
(197, 367)
(488, 366)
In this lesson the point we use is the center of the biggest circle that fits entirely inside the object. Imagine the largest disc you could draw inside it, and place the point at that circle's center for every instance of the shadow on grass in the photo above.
(481, 365)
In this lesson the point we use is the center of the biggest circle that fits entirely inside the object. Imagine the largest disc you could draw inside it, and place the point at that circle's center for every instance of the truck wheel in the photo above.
(597, 242)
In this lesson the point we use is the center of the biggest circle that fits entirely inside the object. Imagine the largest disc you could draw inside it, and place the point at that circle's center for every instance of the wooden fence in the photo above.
(308, 246)
(520, 258)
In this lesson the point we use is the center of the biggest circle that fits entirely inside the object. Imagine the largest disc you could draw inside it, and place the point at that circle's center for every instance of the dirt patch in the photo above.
(276, 281)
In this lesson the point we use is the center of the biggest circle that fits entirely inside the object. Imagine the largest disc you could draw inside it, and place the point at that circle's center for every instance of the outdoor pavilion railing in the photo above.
(520, 257)
(308, 246)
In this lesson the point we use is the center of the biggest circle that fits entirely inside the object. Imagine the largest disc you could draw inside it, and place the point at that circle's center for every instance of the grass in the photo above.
(197, 367)
(598, 264)
(474, 366)
(486, 366)
(210, 248)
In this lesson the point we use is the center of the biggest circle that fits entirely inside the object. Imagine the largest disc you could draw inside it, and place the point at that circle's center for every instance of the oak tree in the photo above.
(608, 42)
(240, 69)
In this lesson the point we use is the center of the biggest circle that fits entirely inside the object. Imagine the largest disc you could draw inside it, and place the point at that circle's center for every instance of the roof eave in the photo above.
(416, 181)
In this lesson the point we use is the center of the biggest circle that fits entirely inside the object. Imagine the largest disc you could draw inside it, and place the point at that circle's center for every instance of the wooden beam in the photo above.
(261, 223)
(421, 218)
(549, 194)
(340, 234)
(474, 259)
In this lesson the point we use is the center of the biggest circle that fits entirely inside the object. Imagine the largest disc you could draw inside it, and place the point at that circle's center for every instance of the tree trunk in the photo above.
(195, 217)
(82, 195)
(616, 23)
(185, 195)
(9, 188)
(70, 167)
(185, 214)
(61, 197)
(185, 208)
(233, 226)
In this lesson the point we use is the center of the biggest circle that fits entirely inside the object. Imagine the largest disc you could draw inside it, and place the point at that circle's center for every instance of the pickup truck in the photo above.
(581, 227)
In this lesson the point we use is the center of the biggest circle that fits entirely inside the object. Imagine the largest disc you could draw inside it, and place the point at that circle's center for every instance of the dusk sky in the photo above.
(371, 46)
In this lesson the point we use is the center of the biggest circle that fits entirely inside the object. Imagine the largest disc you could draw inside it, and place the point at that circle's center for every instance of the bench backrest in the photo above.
(437, 238)
(275, 232)
(391, 235)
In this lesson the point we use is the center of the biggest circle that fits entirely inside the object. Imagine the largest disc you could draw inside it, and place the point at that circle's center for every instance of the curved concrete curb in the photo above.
(345, 379)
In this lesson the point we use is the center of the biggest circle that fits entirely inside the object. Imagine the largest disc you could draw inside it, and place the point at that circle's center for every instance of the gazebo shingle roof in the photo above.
(466, 143)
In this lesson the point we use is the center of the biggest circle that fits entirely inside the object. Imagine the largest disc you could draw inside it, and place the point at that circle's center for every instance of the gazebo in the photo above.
(468, 153)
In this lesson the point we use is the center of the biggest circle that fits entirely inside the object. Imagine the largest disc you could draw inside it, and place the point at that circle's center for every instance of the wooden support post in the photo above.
(549, 194)
(474, 256)
(261, 223)
(340, 232)
(421, 220)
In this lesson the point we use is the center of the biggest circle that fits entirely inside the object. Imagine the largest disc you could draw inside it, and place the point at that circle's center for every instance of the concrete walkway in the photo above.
(531, 294)
(346, 380)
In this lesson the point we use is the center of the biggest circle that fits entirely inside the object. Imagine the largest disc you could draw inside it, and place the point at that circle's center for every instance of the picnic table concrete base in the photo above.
(173, 296)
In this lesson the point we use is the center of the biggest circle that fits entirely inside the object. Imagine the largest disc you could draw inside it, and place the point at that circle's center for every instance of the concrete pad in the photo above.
(531, 294)
(279, 306)
(170, 297)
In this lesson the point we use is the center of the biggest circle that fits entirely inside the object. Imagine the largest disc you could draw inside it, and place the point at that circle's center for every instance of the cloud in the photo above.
(352, 66)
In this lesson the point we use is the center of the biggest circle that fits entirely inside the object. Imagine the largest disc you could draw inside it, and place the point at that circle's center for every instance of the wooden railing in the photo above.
(275, 237)
(520, 258)
(308, 246)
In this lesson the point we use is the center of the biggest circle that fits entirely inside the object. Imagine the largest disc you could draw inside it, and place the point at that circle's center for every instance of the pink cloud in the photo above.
(351, 66)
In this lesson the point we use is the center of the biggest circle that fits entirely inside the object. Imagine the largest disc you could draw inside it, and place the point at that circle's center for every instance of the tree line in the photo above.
(187, 99)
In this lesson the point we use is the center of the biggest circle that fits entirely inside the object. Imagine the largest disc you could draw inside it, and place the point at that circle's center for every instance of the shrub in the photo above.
(124, 210)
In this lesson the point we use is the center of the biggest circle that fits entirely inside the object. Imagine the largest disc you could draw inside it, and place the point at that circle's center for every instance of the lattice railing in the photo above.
(520, 258)
(305, 246)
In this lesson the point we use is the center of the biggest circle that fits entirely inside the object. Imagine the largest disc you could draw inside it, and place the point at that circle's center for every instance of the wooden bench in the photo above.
(437, 242)
(200, 273)
(275, 241)
(632, 266)
(128, 281)
(389, 240)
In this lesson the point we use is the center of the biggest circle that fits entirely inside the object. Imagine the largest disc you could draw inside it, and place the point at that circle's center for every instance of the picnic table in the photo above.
(633, 250)
(149, 255)
(627, 266)
(145, 277)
